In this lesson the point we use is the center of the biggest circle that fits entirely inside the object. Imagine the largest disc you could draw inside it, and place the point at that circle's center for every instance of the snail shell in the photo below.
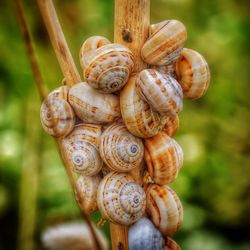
(165, 43)
(119, 149)
(164, 208)
(160, 91)
(119, 199)
(165, 69)
(88, 188)
(144, 235)
(171, 126)
(108, 67)
(170, 244)
(193, 73)
(164, 158)
(140, 119)
(57, 116)
(92, 106)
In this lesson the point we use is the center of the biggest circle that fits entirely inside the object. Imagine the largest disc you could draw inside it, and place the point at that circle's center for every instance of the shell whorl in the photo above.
(171, 126)
(119, 149)
(160, 91)
(140, 119)
(193, 73)
(165, 43)
(92, 106)
(88, 186)
(164, 158)
(120, 199)
(164, 208)
(144, 235)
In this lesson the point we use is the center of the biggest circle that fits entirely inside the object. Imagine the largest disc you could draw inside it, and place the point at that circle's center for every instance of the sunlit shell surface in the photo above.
(144, 236)
(140, 119)
(119, 199)
(170, 244)
(193, 73)
(165, 69)
(164, 208)
(164, 158)
(92, 106)
(160, 91)
(88, 188)
(171, 126)
(165, 43)
(119, 149)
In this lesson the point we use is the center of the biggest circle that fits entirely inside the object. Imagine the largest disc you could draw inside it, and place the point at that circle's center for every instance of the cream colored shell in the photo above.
(165, 69)
(193, 73)
(140, 119)
(119, 149)
(164, 208)
(119, 199)
(165, 43)
(160, 91)
(93, 107)
(164, 158)
(88, 189)
(171, 126)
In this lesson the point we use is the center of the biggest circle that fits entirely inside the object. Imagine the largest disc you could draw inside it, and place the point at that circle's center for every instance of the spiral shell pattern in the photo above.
(160, 91)
(164, 208)
(88, 186)
(119, 149)
(140, 119)
(164, 158)
(119, 199)
(171, 126)
(193, 73)
(165, 43)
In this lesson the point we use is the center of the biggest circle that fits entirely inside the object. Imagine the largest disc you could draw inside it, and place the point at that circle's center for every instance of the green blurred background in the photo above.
(214, 131)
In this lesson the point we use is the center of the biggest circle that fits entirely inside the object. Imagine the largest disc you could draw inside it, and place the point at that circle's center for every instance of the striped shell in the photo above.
(164, 158)
(160, 91)
(92, 106)
(165, 43)
(108, 67)
(144, 236)
(119, 199)
(193, 73)
(57, 116)
(171, 126)
(165, 69)
(119, 149)
(170, 244)
(140, 119)
(88, 188)
(164, 208)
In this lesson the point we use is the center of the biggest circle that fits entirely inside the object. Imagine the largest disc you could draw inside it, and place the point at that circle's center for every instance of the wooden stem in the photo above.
(131, 28)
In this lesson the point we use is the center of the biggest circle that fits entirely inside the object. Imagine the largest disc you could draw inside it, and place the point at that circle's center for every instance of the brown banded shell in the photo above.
(108, 67)
(165, 43)
(92, 106)
(171, 126)
(57, 116)
(164, 208)
(119, 149)
(160, 91)
(193, 73)
(88, 188)
(165, 69)
(119, 199)
(170, 244)
(164, 158)
(140, 119)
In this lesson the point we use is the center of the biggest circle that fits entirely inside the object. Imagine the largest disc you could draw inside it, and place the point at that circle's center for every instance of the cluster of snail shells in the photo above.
(127, 118)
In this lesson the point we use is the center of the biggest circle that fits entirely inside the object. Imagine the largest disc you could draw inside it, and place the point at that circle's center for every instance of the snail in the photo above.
(160, 91)
(164, 158)
(88, 188)
(140, 119)
(81, 147)
(193, 73)
(57, 116)
(106, 66)
(119, 199)
(164, 208)
(92, 106)
(144, 235)
(165, 69)
(171, 126)
(165, 43)
(170, 244)
(119, 149)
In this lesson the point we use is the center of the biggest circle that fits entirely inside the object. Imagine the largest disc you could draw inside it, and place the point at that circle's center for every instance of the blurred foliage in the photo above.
(214, 131)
